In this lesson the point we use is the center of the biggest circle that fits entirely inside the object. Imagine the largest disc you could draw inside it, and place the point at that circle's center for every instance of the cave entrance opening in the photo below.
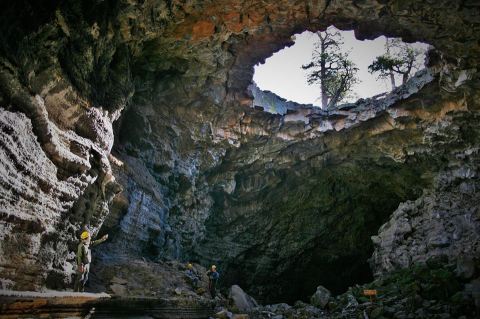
(377, 66)
(319, 232)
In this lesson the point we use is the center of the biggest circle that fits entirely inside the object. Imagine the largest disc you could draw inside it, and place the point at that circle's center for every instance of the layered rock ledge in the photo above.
(88, 305)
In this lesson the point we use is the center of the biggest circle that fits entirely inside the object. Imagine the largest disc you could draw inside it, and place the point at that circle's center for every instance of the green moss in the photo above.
(409, 288)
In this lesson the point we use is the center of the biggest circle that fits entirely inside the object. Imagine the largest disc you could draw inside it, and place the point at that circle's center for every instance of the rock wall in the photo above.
(43, 205)
(55, 172)
(272, 199)
(442, 224)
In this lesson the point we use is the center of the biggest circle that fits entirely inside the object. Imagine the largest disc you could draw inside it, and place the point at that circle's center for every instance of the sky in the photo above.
(282, 73)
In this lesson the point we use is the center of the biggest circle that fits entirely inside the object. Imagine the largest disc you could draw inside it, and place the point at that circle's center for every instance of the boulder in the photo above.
(279, 307)
(352, 302)
(321, 297)
(223, 314)
(240, 299)
(118, 290)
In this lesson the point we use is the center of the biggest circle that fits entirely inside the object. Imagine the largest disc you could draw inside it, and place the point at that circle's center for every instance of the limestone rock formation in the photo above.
(280, 202)
(441, 223)
(241, 301)
(321, 297)
(55, 173)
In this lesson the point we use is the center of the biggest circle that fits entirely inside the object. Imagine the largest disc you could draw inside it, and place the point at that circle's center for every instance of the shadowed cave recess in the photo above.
(139, 119)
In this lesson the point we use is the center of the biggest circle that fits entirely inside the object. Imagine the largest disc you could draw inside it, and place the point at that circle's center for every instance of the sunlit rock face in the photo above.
(280, 202)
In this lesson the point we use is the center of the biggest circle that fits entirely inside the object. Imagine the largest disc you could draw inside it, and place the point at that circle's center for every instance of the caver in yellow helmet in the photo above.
(189, 266)
(84, 259)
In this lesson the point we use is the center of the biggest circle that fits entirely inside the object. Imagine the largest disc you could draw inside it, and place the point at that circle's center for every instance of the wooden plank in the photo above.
(370, 292)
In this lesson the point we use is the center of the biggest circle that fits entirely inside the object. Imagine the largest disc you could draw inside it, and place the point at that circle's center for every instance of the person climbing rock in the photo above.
(192, 276)
(213, 276)
(84, 258)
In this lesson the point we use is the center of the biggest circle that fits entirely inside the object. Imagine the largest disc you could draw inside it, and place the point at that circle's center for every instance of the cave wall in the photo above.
(56, 139)
(443, 223)
(272, 199)
(307, 209)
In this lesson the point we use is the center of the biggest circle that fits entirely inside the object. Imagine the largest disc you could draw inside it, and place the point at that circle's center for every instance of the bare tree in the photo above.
(400, 58)
(331, 68)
